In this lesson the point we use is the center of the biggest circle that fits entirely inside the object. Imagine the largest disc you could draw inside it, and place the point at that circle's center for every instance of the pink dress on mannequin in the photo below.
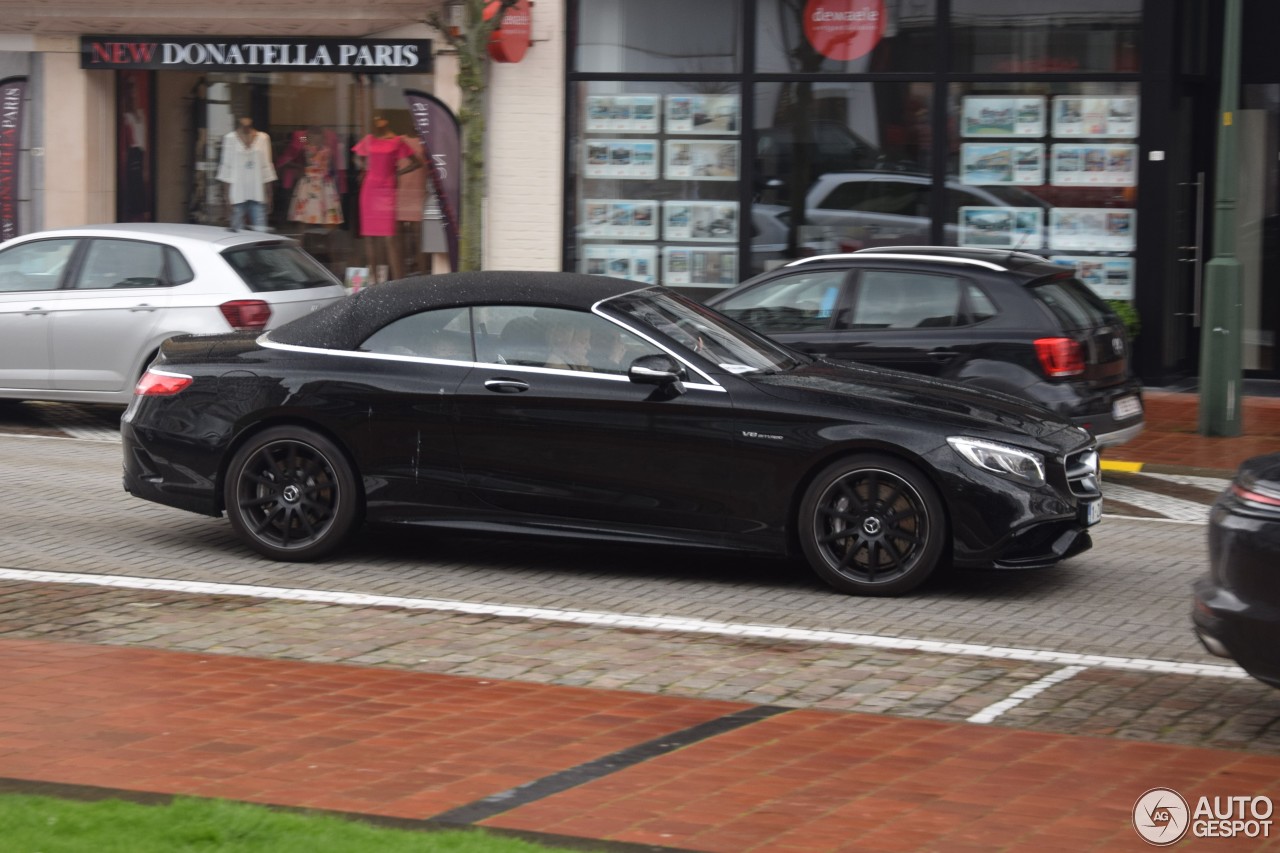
(378, 191)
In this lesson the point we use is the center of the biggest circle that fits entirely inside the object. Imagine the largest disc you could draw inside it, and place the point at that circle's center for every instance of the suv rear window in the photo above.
(1070, 301)
(272, 267)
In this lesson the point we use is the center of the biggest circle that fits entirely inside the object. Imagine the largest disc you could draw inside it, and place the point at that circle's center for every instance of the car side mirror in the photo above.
(660, 370)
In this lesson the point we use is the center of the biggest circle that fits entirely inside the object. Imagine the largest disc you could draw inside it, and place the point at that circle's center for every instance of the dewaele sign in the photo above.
(223, 53)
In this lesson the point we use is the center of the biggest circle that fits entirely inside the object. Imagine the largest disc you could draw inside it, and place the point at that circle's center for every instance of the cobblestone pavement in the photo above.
(1128, 597)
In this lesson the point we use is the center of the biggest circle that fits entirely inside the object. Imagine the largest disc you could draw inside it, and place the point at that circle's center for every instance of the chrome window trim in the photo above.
(266, 343)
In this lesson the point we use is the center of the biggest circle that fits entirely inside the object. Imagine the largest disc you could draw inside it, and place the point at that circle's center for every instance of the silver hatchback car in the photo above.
(84, 310)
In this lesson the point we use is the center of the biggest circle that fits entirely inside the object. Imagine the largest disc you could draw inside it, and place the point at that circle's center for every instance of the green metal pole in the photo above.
(1221, 349)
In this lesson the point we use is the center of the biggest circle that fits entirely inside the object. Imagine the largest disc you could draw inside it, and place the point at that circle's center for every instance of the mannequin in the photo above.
(247, 173)
(410, 198)
(381, 153)
(317, 194)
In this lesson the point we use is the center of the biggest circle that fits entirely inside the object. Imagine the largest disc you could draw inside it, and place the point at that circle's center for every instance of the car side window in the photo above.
(906, 300)
(899, 198)
(38, 265)
(443, 334)
(122, 263)
(555, 337)
(790, 303)
(980, 305)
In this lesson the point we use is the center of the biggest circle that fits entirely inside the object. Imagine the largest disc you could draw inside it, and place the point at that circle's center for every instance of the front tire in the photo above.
(290, 494)
(872, 525)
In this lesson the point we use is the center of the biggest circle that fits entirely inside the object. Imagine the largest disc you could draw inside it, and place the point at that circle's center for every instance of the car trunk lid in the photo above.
(1098, 351)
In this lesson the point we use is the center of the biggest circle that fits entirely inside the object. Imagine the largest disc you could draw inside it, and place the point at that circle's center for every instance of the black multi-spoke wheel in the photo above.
(290, 494)
(871, 525)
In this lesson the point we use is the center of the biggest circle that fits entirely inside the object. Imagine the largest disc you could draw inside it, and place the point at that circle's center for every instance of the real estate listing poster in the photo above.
(635, 263)
(1002, 163)
(1109, 278)
(706, 114)
(701, 160)
(621, 158)
(624, 113)
(622, 220)
(983, 115)
(1099, 165)
(1019, 228)
(705, 265)
(1115, 118)
(1092, 229)
(700, 220)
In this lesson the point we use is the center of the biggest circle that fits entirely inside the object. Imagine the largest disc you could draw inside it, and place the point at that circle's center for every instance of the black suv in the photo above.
(1007, 321)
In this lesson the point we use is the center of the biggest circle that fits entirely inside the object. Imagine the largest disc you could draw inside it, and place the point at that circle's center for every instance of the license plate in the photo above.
(1126, 407)
(1092, 512)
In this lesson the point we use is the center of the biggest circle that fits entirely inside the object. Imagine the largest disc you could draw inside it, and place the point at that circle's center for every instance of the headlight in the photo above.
(1001, 459)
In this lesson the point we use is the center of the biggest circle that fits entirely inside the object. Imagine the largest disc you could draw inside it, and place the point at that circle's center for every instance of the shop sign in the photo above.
(510, 40)
(163, 53)
(844, 29)
(13, 94)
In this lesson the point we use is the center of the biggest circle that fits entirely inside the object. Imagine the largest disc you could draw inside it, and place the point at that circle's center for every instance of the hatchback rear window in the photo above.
(275, 267)
(1070, 301)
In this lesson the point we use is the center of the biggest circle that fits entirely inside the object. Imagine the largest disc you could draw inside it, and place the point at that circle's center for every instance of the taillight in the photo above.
(1060, 356)
(245, 314)
(160, 383)
(1253, 497)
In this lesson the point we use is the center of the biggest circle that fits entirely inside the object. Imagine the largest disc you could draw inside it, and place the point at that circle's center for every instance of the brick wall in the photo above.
(525, 143)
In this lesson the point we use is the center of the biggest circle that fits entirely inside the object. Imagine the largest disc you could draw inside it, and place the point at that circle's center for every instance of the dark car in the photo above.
(995, 319)
(588, 407)
(1237, 606)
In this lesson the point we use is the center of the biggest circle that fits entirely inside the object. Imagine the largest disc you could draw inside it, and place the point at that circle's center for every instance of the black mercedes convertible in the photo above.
(591, 407)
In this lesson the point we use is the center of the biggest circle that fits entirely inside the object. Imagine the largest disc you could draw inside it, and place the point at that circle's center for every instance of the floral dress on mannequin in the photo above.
(315, 198)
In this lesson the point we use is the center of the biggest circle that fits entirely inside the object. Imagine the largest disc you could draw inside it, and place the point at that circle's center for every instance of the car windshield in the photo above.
(733, 347)
(267, 267)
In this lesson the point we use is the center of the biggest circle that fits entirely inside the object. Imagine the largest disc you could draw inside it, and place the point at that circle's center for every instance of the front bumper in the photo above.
(1246, 632)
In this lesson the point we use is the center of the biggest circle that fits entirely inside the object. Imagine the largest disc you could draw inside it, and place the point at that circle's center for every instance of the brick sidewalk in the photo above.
(424, 746)
(1172, 438)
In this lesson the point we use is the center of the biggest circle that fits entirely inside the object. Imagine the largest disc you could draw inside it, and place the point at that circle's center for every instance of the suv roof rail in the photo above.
(871, 253)
(958, 251)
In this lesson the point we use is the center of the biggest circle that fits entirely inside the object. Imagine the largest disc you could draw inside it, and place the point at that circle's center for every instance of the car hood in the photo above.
(950, 406)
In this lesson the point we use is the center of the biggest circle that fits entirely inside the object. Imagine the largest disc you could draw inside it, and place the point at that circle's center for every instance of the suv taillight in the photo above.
(158, 383)
(245, 314)
(1060, 357)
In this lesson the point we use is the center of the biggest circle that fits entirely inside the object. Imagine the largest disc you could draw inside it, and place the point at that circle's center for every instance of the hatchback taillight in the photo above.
(159, 383)
(1251, 496)
(245, 314)
(1060, 357)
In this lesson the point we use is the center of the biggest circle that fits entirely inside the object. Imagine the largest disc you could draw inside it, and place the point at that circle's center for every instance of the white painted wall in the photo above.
(525, 150)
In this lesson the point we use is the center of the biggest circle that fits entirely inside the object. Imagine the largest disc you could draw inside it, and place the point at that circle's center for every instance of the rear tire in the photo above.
(291, 495)
(872, 525)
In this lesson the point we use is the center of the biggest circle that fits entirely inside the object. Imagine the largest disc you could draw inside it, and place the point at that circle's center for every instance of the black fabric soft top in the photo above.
(350, 321)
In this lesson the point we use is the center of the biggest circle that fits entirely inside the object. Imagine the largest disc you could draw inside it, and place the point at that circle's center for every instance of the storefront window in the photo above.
(1049, 169)
(845, 36)
(839, 167)
(657, 169)
(288, 153)
(1045, 36)
(659, 36)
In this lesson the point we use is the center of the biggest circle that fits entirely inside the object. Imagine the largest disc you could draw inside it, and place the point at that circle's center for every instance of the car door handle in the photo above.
(143, 307)
(506, 386)
(36, 310)
(941, 354)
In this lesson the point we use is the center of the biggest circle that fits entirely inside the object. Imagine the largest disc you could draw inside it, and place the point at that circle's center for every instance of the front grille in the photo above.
(1082, 473)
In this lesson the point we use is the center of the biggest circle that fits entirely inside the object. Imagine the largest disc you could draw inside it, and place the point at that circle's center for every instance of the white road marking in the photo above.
(1032, 690)
(622, 620)
(1175, 508)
